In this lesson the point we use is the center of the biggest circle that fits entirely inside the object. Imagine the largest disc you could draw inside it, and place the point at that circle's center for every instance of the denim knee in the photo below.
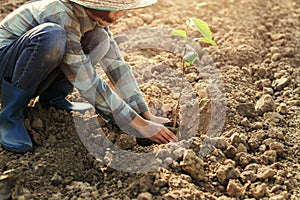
(53, 38)
(36, 54)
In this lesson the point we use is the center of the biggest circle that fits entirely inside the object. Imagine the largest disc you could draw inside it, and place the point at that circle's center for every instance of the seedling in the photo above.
(190, 56)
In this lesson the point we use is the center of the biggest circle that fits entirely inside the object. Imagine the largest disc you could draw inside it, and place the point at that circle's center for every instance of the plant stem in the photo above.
(181, 87)
(180, 94)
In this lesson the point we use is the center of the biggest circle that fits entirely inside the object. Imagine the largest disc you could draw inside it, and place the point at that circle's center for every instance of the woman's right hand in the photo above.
(153, 131)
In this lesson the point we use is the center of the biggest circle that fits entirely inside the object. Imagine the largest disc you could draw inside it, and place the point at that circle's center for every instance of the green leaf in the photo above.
(190, 55)
(180, 33)
(202, 27)
(187, 63)
(190, 59)
(207, 40)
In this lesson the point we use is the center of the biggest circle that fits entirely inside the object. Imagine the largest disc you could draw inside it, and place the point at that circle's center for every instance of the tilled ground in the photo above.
(240, 141)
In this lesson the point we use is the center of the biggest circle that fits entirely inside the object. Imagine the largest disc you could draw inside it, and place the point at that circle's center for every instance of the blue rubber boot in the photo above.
(55, 95)
(13, 134)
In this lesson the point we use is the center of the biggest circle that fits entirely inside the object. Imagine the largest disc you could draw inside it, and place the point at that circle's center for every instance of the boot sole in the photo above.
(23, 149)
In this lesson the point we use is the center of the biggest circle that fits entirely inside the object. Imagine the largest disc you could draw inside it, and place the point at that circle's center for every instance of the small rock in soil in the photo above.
(56, 179)
(37, 123)
(193, 165)
(145, 196)
(192, 77)
(125, 141)
(265, 104)
(265, 173)
(276, 133)
(263, 83)
(249, 175)
(282, 108)
(21, 193)
(259, 191)
(283, 196)
(268, 90)
(246, 109)
(258, 125)
(278, 147)
(256, 140)
(273, 118)
(36, 137)
(241, 148)
(147, 74)
(276, 57)
(221, 143)
(7, 180)
(226, 172)
(281, 83)
(235, 188)
(243, 158)
(231, 151)
(245, 122)
(269, 157)
(235, 139)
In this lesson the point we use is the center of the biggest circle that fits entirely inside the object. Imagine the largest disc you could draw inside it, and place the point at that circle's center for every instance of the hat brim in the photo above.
(114, 6)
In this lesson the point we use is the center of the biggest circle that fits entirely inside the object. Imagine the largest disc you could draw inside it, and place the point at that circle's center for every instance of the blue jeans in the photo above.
(32, 61)
(32, 57)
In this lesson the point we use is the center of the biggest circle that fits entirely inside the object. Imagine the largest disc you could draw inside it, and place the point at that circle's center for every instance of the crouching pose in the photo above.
(48, 47)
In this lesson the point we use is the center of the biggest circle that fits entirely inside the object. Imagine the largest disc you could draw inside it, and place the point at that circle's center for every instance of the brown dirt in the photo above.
(256, 155)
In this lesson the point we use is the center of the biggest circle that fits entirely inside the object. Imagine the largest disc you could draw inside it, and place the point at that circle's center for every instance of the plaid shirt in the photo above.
(76, 64)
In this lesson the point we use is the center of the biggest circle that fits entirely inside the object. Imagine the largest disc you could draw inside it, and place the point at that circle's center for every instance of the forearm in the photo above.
(107, 101)
(99, 94)
(125, 84)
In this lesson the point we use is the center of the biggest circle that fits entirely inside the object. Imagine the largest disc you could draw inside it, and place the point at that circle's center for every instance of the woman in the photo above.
(47, 47)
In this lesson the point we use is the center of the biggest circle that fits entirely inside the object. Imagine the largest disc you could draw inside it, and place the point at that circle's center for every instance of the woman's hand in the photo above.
(164, 136)
(161, 120)
(154, 131)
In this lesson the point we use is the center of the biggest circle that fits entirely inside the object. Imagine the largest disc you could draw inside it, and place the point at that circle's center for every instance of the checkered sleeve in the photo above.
(121, 76)
(79, 70)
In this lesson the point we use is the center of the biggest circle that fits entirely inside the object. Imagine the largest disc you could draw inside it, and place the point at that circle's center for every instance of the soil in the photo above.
(240, 141)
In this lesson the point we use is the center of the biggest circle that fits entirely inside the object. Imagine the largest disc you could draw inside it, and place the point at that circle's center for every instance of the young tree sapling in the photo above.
(189, 55)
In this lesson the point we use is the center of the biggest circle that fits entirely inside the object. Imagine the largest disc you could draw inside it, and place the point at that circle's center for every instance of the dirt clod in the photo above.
(193, 165)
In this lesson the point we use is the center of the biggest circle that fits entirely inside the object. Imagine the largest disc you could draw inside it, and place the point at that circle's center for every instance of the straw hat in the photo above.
(114, 5)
